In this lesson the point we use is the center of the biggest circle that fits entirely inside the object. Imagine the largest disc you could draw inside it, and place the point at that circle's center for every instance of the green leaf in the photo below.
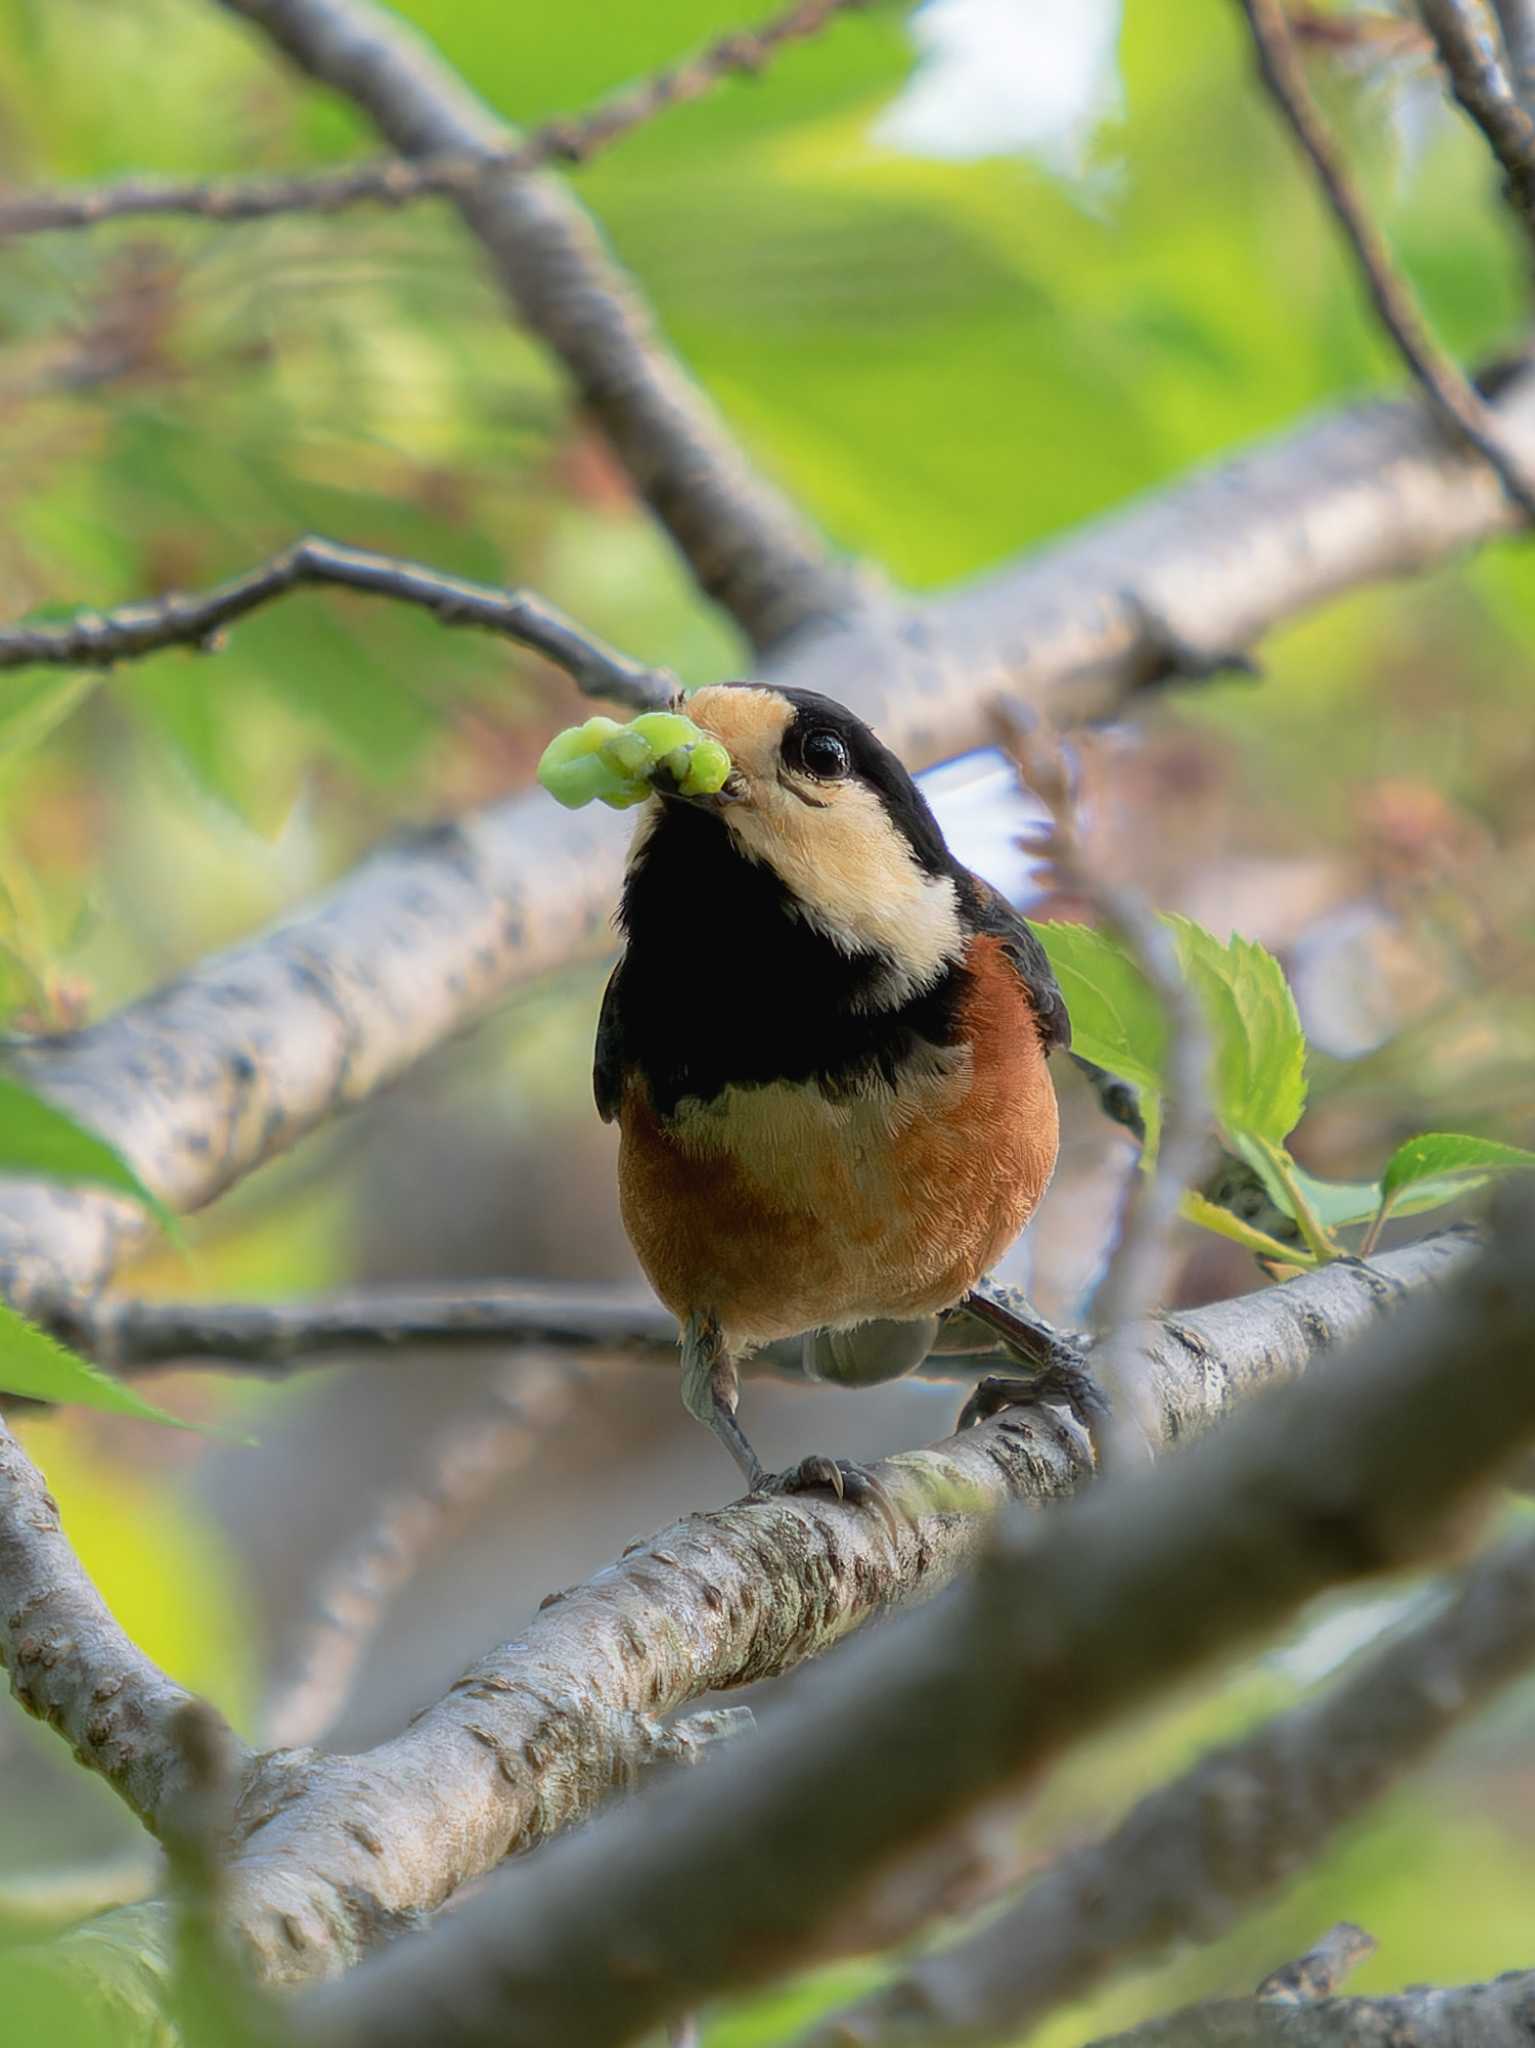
(34, 1364)
(1209, 1215)
(1437, 1154)
(1259, 1065)
(37, 1137)
(1116, 1020)
(1340, 1203)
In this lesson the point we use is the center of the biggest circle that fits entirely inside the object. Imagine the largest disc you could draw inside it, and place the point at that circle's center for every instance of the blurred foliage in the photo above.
(945, 360)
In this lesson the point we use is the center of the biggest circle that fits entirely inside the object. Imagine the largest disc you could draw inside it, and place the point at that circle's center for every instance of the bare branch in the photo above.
(1457, 402)
(205, 1080)
(1495, 2015)
(1325, 1966)
(396, 181)
(1068, 1620)
(1197, 1854)
(1466, 35)
(745, 544)
(133, 1336)
(70, 1663)
(471, 1456)
(101, 639)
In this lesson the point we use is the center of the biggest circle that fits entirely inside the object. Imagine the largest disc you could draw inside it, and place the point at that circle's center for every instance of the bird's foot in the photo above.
(855, 1484)
(1064, 1383)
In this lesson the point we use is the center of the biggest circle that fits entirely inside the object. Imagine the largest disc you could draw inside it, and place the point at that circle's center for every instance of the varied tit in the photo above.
(843, 1120)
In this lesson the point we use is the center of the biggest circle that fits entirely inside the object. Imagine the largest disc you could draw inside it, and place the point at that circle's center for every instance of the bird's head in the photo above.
(815, 798)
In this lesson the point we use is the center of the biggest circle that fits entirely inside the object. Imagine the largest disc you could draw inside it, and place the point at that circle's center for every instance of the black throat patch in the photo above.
(723, 985)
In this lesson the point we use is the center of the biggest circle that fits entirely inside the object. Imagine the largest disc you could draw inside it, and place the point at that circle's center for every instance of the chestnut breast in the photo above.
(783, 1207)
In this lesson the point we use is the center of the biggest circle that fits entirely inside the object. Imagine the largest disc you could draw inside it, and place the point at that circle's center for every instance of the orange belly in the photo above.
(780, 1211)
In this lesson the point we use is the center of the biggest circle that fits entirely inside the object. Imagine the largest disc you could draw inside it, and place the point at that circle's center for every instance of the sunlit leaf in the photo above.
(1116, 1020)
(1259, 1054)
(1438, 1154)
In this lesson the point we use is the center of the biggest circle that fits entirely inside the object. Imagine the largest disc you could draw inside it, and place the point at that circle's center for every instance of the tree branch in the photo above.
(746, 546)
(69, 1662)
(1069, 1620)
(1457, 402)
(334, 1852)
(224, 1069)
(102, 639)
(1198, 1853)
(132, 1336)
(1495, 2015)
(1466, 35)
(396, 181)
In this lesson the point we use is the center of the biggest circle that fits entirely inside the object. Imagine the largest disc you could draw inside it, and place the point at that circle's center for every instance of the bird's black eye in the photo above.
(823, 754)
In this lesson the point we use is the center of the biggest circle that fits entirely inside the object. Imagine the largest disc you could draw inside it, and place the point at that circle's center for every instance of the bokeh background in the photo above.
(959, 280)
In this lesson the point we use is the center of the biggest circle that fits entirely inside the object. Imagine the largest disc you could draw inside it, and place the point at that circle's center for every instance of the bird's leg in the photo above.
(710, 1387)
(1059, 1360)
(709, 1391)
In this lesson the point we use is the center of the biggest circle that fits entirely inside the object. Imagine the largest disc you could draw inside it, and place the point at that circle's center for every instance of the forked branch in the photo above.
(102, 639)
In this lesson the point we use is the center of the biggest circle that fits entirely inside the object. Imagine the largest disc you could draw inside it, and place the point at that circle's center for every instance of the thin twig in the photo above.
(396, 181)
(748, 547)
(1470, 47)
(471, 1457)
(132, 1335)
(1495, 2015)
(101, 639)
(1327, 1964)
(1452, 395)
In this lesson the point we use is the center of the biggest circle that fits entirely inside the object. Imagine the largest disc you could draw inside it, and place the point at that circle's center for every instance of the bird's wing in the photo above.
(608, 1062)
(995, 916)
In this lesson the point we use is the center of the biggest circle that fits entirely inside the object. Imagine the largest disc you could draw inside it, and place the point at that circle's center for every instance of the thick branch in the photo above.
(1495, 2015)
(336, 1852)
(397, 180)
(746, 546)
(101, 639)
(1466, 35)
(1457, 401)
(1067, 1621)
(70, 1663)
(1198, 1853)
(224, 1069)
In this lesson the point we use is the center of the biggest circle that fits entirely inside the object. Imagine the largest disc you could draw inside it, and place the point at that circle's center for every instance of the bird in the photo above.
(826, 1046)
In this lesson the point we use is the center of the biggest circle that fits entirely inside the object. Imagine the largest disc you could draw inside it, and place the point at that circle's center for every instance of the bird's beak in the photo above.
(733, 791)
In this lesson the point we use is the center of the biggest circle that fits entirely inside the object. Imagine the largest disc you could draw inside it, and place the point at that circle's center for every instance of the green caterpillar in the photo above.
(618, 764)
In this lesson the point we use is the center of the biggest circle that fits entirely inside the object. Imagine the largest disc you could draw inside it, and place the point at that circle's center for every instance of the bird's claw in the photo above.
(854, 1484)
(1066, 1383)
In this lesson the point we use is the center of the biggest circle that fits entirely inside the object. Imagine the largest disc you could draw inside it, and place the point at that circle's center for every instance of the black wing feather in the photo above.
(991, 913)
(610, 1060)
